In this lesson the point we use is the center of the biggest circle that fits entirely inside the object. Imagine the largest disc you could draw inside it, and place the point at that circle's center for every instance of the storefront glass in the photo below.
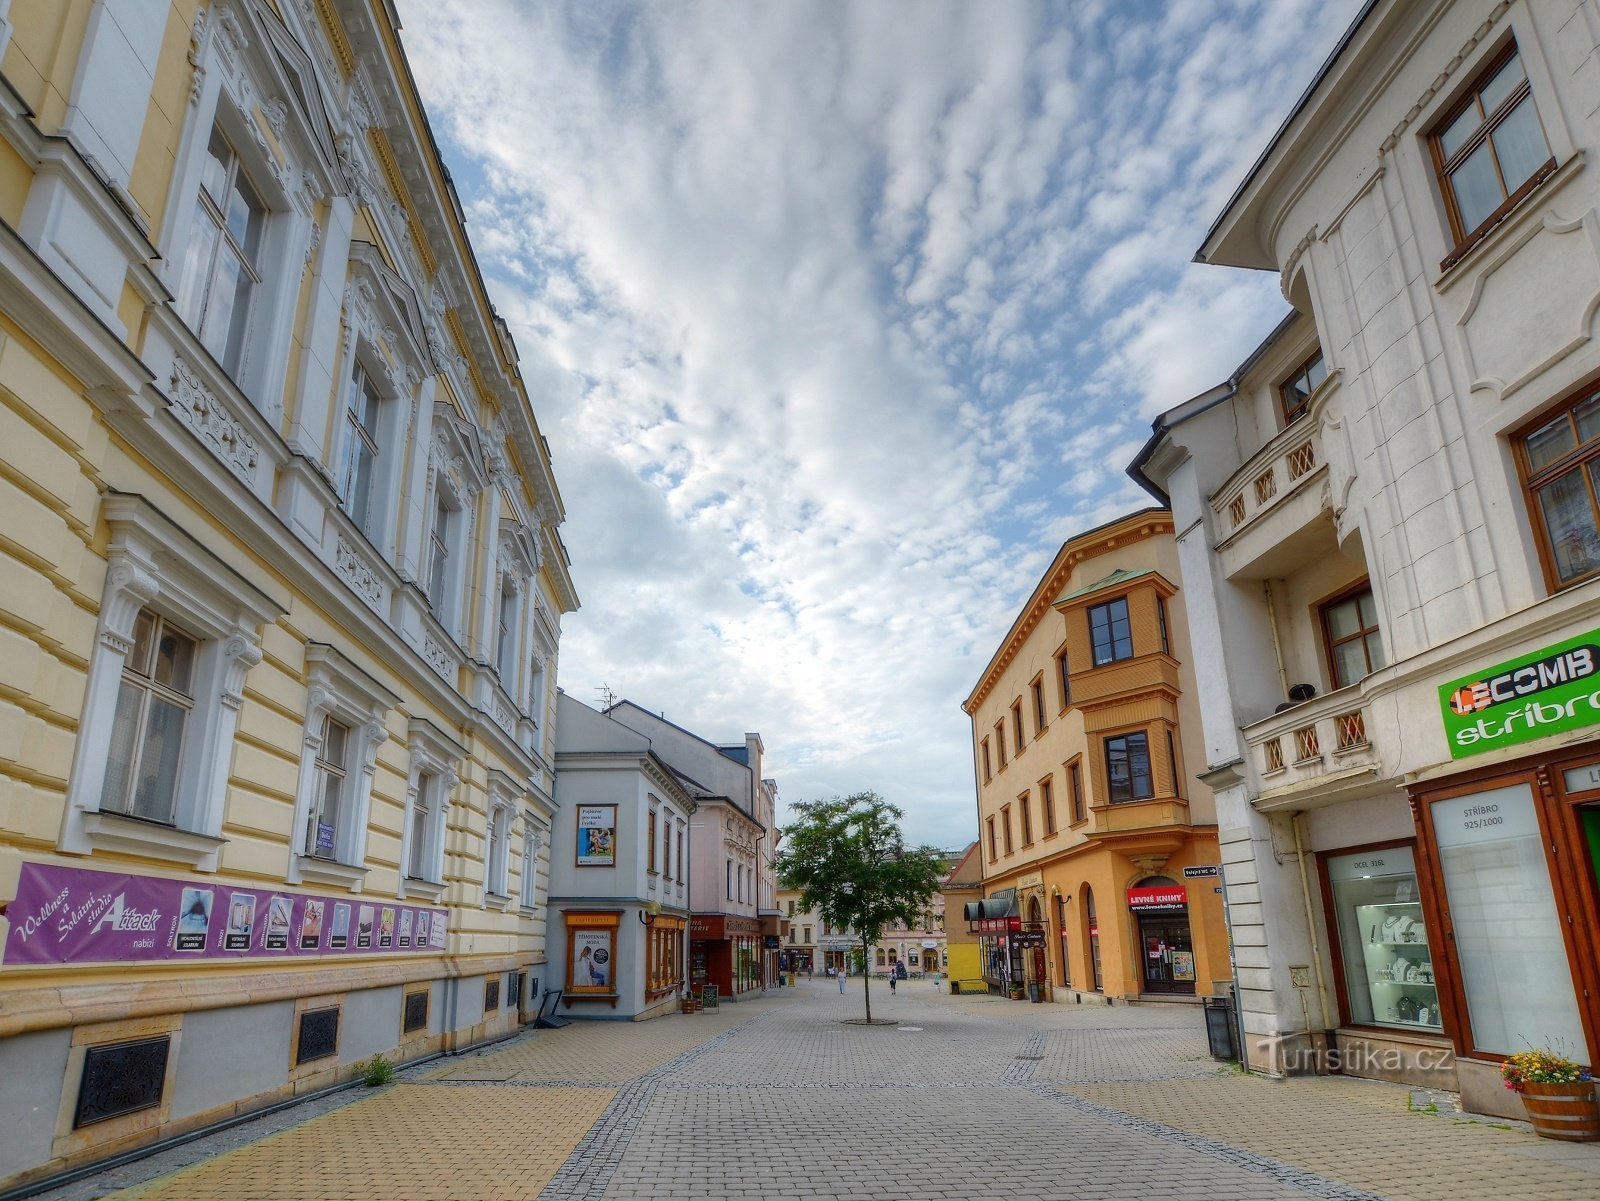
(1383, 942)
(1508, 936)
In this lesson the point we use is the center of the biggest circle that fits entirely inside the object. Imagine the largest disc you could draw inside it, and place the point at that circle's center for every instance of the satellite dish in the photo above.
(1302, 692)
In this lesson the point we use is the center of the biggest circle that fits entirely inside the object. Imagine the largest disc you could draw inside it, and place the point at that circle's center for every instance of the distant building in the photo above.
(962, 890)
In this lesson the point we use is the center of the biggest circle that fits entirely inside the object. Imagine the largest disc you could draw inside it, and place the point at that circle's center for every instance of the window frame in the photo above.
(1464, 239)
(1126, 736)
(1113, 643)
(1018, 742)
(1000, 742)
(438, 757)
(1025, 816)
(1005, 830)
(149, 689)
(1293, 412)
(153, 564)
(1040, 721)
(1583, 459)
(1077, 797)
(1047, 805)
(1348, 593)
(994, 844)
(1064, 678)
(988, 771)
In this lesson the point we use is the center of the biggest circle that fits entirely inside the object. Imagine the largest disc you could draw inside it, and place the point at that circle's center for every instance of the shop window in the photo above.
(1294, 393)
(1047, 804)
(1128, 776)
(1110, 632)
(1489, 151)
(1505, 928)
(1355, 645)
(1560, 461)
(1092, 926)
(1388, 966)
(1039, 720)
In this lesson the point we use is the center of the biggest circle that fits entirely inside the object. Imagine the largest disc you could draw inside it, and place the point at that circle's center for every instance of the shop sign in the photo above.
(1534, 696)
(1582, 779)
(1493, 816)
(1200, 871)
(1027, 938)
(771, 942)
(1165, 897)
(73, 915)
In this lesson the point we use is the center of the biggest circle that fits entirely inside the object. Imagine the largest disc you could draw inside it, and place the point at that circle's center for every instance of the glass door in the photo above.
(1168, 953)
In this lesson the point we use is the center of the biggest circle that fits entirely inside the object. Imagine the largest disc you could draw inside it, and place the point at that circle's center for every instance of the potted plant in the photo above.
(1557, 1094)
(1015, 991)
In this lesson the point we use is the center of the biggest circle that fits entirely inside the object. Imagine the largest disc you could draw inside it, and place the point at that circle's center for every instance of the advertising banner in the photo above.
(1165, 897)
(591, 960)
(1547, 692)
(597, 835)
(72, 915)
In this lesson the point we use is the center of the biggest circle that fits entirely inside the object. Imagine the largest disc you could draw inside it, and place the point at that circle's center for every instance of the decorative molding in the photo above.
(438, 657)
(1443, 78)
(354, 569)
(211, 419)
(196, 39)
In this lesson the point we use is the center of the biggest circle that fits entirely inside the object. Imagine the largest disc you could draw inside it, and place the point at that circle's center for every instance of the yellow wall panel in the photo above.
(268, 771)
(46, 40)
(256, 857)
(16, 176)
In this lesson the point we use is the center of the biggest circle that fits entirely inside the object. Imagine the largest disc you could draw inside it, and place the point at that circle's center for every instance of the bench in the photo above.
(958, 987)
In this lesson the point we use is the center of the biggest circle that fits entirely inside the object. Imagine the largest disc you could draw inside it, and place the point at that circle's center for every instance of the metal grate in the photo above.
(1350, 729)
(491, 994)
(319, 1034)
(1306, 745)
(416, 1011)
(1236, 511)
(1266, 487)
(1274, 753)
(121, 1078)
(1300, 460)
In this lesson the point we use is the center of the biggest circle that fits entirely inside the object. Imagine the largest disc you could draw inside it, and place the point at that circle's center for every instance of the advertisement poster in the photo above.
(364, 927)
(1183, 965)
(73, 915)
(591, 959)
(386, 928)
(422, 928)
(597, 835)
(193, 925)
(280, 913)
(405, 927)
(241, 920)
(311, 926)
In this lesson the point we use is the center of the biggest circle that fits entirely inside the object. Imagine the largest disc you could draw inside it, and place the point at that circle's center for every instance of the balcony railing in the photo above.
(1325, 739)
(1270, 476)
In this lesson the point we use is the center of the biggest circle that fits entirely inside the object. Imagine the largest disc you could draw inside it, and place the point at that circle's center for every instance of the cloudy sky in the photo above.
(840, 317)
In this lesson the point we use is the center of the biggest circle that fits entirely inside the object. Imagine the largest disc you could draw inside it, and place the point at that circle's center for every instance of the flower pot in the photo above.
(1564, 1111)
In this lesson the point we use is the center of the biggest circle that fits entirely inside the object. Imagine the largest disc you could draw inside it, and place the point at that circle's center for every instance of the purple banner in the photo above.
(71, 915)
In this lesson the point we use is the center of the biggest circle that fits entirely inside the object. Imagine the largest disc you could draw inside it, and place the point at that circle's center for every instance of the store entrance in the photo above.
(1167, 952)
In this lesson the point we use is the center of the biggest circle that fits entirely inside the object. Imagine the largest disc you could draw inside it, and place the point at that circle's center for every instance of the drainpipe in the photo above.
(1311, 925)
(1277, 645)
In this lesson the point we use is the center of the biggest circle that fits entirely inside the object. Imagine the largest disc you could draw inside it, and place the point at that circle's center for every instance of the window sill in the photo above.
(328, 871)
(1498, 219)
(496, 900)
(427, 890)
(108, 831)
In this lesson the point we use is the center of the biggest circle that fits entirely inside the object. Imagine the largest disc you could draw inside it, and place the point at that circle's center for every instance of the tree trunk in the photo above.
(866, 977)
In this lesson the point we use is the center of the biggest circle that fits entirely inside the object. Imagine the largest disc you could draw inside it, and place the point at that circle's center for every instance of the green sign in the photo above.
(1551, 690)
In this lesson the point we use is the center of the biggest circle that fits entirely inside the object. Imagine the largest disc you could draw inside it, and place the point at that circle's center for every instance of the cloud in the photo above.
(840, 318)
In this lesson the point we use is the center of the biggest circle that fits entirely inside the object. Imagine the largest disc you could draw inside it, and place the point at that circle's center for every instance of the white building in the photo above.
(619, 870)
(1390, 546)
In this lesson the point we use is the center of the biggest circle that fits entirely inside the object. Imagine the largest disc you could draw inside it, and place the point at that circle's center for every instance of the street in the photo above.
(965, 1097)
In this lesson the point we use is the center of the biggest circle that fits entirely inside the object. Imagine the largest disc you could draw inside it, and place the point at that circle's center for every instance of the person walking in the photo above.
(893, 978)
(841, 982)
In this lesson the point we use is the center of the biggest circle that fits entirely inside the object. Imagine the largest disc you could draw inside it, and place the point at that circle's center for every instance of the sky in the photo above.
(841, 317)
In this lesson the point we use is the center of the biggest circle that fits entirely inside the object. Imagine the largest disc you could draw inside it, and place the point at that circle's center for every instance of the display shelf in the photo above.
(1406, 984)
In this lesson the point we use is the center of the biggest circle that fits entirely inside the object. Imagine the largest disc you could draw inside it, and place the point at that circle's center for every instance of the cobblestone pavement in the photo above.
(964, 1097)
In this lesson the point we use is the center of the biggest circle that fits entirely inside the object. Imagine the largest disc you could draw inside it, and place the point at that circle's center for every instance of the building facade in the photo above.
(619, 870)
(1391, 555)
(1098, 846)
(282, 580)
(802, 927)
(963, 888)
(735, 932)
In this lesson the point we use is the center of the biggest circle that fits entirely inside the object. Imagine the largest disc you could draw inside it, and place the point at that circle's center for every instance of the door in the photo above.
(1167, 952)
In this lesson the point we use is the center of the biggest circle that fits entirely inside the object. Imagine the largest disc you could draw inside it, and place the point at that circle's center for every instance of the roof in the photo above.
(1111, 581)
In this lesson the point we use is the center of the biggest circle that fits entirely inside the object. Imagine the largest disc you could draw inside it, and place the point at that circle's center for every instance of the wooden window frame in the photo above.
(650, 855)
(1036, 690)
(1579, 459)
(1348, 592)
(1292, 411)
(1025, 810)
(1076, 795)
(1000, 742)
(1005, 830)
(1047, 805)
(1064, 678)
(994, 843)
(1018, 742)
(1105, 750)
(1127, 617)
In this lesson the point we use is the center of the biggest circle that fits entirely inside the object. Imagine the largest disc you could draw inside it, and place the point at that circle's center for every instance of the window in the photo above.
(332, 768)
(1016, 727)
(1047, 804)
(1294, 394)
(666, 844)
(1000, 741)
(1128, 768)
(1561, 470)
(1355, 647)
(153, 708)
(505, 658)
(994, 847)
(1025, 807)
(439, 555)
(1110, 634)
(794, 936)
(178, 632)
(1005, 827)
(806, 937)
(1064, 678)
(1172, 762)
(1490, 150)
(651, 843)
(359, 471)
(1161, 623)
(1075, 789)
(987, 773)
(419, 863)
(222, 265)
(730, 879)
(679, 872)
(1039, 720)
(791, 907)
(433, 777)
(495, 851)
(528, 894)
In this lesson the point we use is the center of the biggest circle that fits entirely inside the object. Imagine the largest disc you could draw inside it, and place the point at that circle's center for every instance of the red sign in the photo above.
(1168, 896)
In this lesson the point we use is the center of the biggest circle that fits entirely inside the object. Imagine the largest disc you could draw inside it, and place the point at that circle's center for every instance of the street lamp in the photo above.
(650, 912)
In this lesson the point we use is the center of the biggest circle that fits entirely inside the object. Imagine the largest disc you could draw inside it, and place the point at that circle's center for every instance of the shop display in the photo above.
(1399, 965)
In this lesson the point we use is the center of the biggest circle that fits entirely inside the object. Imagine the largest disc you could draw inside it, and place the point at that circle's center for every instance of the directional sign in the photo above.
(1204, 869)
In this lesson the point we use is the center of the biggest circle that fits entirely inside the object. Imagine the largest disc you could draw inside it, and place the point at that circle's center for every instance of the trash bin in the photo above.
(1035, 992)
(1219, 1027)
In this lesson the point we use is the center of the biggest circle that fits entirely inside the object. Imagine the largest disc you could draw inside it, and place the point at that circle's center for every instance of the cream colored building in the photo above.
(280, 578)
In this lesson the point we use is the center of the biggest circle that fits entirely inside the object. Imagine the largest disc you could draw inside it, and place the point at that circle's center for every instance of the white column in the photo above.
(116, 77)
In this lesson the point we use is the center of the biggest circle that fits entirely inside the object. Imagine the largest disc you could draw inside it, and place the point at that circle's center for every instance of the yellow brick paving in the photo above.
(1361, 1133)
(409, 1133)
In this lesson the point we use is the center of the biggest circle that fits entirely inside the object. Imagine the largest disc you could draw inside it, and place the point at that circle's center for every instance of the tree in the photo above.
(847, 859)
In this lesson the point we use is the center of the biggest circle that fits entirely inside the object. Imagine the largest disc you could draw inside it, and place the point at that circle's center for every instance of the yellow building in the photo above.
(280, 578)
(1098, 845)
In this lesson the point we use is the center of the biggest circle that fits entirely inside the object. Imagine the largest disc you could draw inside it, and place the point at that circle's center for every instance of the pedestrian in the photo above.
(841, 982)
(892, 979)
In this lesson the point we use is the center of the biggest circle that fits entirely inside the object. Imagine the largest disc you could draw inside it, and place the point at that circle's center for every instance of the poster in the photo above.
(597, 835)
(591, 960)
(405, 927)
(364, 927)
(74, 915)
(1183, 965)
(386, 927)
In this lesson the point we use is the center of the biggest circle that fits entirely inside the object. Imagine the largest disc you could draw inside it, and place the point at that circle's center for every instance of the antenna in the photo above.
(608, 698)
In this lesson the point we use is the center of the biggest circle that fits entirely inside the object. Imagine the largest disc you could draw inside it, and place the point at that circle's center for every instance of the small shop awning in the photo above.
(992, 913)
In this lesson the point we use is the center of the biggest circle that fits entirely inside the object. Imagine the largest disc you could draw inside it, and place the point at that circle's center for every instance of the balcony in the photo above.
(1316, 753)
(1272, 515)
